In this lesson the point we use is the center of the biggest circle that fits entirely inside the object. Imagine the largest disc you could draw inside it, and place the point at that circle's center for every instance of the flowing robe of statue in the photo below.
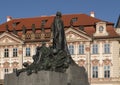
(59, 39)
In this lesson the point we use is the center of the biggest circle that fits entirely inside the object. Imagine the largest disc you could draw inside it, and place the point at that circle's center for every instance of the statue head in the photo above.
(59, 14)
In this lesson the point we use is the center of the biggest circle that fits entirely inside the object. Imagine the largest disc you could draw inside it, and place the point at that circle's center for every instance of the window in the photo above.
(74, 19)
(106, 48)
(14, 69)
(6, 70)
(71, 49)
(101, 28)
(81, 49)
(95, 49)
(95, 71)
(44, 22)
(6, 52)
(107, 71)
(15, 52)
(27, 51)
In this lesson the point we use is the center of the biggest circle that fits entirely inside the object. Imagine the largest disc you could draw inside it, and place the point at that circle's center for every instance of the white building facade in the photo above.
(94, 45)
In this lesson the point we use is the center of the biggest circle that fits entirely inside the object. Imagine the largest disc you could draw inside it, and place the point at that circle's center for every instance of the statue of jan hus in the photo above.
(54, 58)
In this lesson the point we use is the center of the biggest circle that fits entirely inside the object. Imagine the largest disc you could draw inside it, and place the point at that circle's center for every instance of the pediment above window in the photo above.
(6, 64)
(74, 35)
(95, 62)
(14, 64)
(9, 39)
(107, 62)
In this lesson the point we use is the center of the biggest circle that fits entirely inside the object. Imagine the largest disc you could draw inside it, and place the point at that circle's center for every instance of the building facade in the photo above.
(93, 43)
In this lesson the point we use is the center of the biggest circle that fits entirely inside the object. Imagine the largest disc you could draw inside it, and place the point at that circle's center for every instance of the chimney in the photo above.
(92, 14)
(9, 18)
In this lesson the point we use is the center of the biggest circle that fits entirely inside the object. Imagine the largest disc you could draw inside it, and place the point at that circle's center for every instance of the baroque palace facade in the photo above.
(93, 43)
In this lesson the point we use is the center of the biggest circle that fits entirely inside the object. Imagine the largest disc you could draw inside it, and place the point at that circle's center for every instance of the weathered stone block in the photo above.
(41, 78)
(77, 75)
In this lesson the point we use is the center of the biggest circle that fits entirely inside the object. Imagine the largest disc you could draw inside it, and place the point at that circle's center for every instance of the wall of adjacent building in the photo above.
(115, 58)
(85, 60)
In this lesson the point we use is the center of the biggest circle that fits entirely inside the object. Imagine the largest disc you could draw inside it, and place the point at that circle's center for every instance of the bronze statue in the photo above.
(55, 58)
(59, 39)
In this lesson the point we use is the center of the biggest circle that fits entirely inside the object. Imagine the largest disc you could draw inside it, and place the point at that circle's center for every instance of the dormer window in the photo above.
(44, 22)
(74, 19)
(101, 28)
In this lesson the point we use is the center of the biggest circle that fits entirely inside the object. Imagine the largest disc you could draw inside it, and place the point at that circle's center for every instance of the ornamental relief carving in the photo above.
(74, 36)
(6, 64)
(107, 62)
(15, 64)
(95, 62)
(87, 49)
(81, 62)
(7, 39)
(20, 51)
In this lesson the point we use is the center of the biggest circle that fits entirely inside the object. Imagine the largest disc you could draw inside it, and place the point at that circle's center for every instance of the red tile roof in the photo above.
(111, 32)
(82, 20)
(89, 30)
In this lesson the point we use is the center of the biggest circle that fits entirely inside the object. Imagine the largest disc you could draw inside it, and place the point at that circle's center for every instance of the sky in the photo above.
(108, 10)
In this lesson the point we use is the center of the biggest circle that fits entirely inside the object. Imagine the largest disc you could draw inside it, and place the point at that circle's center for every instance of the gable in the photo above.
(74, 35)
(9, 39)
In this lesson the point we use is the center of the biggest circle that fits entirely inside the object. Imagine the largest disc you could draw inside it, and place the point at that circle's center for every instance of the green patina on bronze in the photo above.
(55, 58)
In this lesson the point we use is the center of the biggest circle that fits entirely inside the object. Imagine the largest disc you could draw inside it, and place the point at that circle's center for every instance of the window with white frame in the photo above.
(6, 70)
(27, 51)
(95, 49)
(95, 72)
(15, 52)
(107, 71)
(81, 49)
(6, 52)
(71, 49)
(106, 48)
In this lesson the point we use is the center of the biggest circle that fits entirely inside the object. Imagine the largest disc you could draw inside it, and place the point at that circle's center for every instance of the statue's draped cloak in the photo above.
(59, 39)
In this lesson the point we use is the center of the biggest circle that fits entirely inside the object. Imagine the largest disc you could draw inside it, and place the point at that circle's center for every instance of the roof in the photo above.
(84, 20)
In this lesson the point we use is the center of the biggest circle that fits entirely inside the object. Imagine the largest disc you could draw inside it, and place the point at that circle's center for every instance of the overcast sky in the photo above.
(108, 10)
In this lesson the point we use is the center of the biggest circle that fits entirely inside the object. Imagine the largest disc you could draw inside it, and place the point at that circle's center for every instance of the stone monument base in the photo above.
(77, 75)
(41, 78)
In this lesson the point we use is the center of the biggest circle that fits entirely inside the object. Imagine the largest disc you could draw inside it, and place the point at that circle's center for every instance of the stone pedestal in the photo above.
(77, 75)
(41, 78)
